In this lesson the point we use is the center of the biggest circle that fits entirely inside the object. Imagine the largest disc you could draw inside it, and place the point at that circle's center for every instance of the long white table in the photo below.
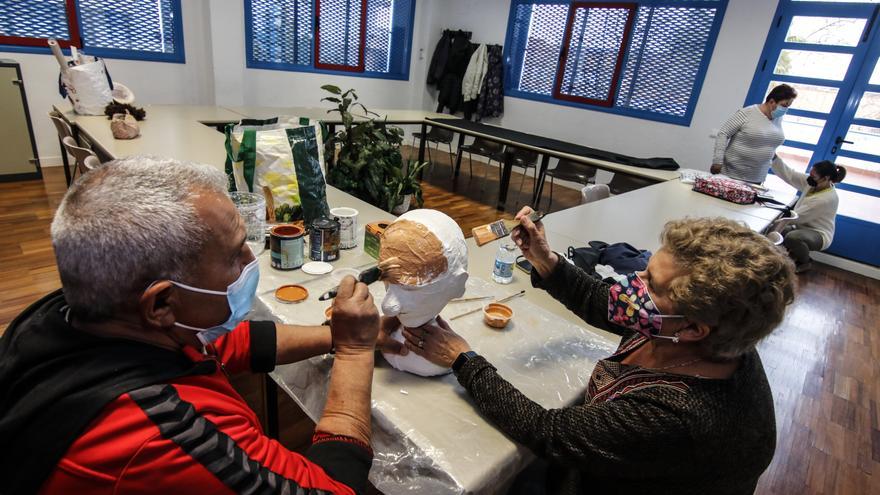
(428, 436)
(638, 217)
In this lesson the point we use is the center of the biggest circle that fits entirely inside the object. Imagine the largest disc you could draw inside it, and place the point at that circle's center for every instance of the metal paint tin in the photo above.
(287, 247)
(324, 240)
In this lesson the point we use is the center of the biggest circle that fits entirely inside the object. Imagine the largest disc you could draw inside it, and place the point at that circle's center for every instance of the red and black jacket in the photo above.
(85, 414)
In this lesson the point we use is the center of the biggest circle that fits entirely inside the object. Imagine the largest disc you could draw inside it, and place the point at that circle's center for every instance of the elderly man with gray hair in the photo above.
(117, 383)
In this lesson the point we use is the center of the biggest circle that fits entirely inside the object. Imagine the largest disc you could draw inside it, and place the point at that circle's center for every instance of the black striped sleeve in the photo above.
(179, 423)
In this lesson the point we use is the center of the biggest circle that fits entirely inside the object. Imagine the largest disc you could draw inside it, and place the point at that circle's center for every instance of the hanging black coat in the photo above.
(460, 53)
(438, 60)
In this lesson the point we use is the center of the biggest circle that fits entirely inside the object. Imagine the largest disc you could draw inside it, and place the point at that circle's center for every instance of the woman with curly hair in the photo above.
(683, 406)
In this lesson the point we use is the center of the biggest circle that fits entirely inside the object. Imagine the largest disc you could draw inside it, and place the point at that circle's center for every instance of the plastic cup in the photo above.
(252, 208)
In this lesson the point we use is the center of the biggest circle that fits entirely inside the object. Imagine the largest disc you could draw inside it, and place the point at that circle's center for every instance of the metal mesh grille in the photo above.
(34, 19)
(282, 31)
(667, 50)
(544, 38)
(596, 37)
(339, 25)
(141, 25)
(377, 57)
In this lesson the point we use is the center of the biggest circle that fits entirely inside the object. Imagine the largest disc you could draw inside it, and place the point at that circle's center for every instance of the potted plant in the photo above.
(368, 155)
(404, 187)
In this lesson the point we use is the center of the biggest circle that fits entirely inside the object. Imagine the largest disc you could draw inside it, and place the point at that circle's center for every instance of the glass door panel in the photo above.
(815, 65)
(842, 31)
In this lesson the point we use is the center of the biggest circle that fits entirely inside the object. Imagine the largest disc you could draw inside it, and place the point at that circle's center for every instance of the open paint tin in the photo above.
(287, 247)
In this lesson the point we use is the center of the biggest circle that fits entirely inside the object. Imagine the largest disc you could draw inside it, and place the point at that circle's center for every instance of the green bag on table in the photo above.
(283, 158)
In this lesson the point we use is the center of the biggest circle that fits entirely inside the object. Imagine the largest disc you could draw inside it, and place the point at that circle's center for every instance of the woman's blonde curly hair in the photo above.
(735, 281)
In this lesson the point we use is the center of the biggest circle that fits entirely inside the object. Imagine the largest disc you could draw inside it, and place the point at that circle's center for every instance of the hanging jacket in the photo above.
(80, 413)
(490, 103)
(439, 59)
(473, 76)
(456, 65)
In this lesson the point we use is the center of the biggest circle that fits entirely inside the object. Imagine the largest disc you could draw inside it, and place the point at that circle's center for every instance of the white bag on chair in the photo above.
(594, 192)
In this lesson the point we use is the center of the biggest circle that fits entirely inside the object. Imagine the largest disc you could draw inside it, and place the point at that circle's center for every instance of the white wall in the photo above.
(733, 63)
(152, 82)
(215, 73)
(238, 85)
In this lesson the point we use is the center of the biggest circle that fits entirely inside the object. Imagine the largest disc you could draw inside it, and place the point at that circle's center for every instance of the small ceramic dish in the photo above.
(290, 294)
(496, 315)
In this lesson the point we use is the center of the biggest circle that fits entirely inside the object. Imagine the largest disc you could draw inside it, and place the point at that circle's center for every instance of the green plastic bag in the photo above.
(284, 159)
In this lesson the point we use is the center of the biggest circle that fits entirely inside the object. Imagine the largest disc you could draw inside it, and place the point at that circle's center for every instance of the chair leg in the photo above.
(430, 160)
(550, 204)
(522, 181)
(451, 161)
(471, 165)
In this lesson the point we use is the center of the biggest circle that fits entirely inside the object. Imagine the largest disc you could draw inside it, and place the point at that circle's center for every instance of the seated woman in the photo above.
(813, 230)
(683, 406)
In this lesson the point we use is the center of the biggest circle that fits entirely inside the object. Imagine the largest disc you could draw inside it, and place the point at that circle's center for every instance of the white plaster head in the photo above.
(423, 257)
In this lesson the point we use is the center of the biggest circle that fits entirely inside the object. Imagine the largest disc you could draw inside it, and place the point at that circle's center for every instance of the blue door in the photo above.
(829, 52)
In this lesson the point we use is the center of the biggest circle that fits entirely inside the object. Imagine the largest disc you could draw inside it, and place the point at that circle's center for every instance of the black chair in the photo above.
(438, 136)
(525, 159)
(622, 183)
(570, 171)
(482, 147)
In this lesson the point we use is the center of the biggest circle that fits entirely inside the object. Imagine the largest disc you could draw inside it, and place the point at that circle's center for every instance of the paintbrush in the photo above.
(366, 276)
(501, 228)
(508, 298)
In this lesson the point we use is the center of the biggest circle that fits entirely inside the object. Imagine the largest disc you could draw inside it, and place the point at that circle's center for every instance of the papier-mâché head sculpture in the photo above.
(423, 258)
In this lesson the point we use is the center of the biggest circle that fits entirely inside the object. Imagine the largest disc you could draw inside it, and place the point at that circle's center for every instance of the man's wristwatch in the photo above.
(461, 359)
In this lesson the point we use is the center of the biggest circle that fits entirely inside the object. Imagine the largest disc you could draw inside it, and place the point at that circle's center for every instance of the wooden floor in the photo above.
(823, 362)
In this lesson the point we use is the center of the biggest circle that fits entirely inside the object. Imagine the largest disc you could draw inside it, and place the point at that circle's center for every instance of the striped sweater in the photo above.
(746, 144)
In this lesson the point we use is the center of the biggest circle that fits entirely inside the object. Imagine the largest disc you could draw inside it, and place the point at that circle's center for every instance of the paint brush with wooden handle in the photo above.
(485, 234)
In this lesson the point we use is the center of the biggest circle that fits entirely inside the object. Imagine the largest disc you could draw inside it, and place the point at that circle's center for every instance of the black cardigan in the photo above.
(638, 431)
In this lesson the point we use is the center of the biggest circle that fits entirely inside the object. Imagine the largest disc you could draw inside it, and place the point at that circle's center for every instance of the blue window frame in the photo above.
(364, 38)
(650, 65)
(128, 29)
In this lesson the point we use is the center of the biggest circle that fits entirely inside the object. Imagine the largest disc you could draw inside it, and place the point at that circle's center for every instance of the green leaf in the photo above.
(330, 98)
(331, 89)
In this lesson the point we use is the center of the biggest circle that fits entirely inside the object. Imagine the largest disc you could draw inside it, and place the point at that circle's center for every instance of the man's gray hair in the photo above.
(126, 224)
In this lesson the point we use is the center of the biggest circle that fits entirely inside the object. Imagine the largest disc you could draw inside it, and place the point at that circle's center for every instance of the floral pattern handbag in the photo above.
(726, 189)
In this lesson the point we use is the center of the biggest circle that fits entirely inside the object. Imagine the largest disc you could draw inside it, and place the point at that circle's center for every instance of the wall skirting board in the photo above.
(848, 265)
(51, 161)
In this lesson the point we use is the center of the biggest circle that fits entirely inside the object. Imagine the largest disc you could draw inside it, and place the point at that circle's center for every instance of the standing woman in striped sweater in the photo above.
(748, 140)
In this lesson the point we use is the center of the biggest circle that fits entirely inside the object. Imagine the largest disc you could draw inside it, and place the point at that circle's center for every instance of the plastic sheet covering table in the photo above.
(427, 435)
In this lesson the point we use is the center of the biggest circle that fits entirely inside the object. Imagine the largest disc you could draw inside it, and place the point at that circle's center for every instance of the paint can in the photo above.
(286, 244)
(373, 237)
(348, 226)
(324, 240)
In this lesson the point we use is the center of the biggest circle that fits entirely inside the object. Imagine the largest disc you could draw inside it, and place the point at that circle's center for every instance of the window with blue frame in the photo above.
(132, 29)
(644, 59)
(370, 38)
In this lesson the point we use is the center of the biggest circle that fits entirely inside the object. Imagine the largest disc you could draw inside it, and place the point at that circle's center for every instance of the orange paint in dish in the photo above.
(291, 293)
